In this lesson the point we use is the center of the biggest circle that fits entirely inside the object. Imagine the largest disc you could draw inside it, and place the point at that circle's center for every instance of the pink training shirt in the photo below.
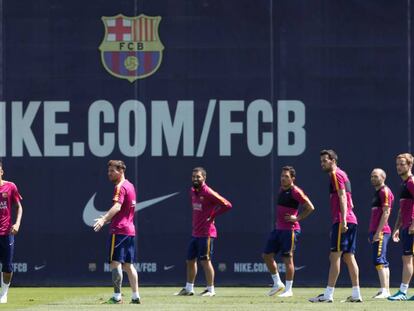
(123, 221)
(383, 197)
(288, 204)
(407, 202)
(9, 195)
(340, 180)
(206, 204)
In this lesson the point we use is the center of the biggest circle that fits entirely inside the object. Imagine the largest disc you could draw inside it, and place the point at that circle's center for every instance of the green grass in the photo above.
(161, 298)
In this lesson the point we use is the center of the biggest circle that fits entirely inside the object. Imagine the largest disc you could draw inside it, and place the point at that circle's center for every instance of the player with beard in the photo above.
(206, 206)
(122, 232)
(404, 225)
(344, 229)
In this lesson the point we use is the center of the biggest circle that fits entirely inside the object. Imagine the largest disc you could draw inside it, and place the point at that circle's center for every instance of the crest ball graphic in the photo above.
(131, 63)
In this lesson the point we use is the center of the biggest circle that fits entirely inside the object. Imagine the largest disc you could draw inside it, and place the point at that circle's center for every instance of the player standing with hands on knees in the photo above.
(283, 239)
(206, 206)
(344, 229)
(405, 222)
(122, 230)
(9, 197)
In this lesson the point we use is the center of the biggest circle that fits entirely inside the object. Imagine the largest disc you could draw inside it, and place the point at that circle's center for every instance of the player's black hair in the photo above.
(119, 164)
(330, 153)
(201, 170)
(291, 170)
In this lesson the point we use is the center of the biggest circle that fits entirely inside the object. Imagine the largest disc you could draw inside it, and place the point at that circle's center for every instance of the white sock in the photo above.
(385, 290)
(276, 278)
(288, 285)
(329, 291)
(356, 292)
(135, 295)
(210, 289)
(117, 296)
(4, 288)
(189, 287)
(404, 288)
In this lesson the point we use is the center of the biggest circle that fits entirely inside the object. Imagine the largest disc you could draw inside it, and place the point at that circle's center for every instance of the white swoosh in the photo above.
(90, 213)
(168, 267)
(39, 267)
(299, 268)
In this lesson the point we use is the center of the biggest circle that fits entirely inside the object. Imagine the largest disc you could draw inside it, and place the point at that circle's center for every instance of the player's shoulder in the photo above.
(9, 183)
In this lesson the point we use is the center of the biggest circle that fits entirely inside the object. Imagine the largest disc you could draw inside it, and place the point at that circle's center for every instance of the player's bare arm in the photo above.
(101, 221)
(19, 212)
(384, 218)
(344, 209)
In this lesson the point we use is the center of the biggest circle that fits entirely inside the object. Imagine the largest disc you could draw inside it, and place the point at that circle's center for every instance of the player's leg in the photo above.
(7, 250)
(349, 249)
(407, 241)
(205, 254)
(129, 268)
(271, 249)
(191, 269)
(116, 257)
(379, 250)
(289, 245)
(334, 265)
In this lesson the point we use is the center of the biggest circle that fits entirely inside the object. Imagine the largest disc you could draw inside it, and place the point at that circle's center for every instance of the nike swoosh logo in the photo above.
(90, 213)
(168, 267)
(37, 268)
(300, 268)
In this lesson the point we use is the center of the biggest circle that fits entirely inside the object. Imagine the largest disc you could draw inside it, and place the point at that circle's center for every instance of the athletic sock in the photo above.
(276, 278)
(288, 285)
(135, 295)
(189, 287)
(404, 288)
(117, 296)
(210, 289)
(356, 292)
(329, 291)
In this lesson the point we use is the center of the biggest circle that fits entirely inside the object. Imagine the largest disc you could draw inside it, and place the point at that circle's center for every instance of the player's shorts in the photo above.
(283, 241)
(121, 248)
(379, 250)
(6, 252)
(344, 242)
(200, 248)
(407, 242)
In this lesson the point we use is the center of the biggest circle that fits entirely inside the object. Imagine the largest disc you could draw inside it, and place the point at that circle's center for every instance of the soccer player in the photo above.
(206, 206)
(379, 230)
(405, 222)
(287, 230)
(9, 197)
(122, 230)
(344, 229)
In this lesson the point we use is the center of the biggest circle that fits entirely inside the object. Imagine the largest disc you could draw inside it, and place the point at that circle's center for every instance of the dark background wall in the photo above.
(257, 68)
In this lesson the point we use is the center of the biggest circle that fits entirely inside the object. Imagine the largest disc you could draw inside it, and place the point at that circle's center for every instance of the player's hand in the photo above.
(99, 223)
(344, 227)
(396, 236)
(375, 238)
(411, 229)
(291, 218)
(15, 229)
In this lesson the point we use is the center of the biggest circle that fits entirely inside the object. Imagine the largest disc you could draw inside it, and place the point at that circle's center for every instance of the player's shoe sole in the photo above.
(285, 294)
(276, 289)
(184, 292)
(206, 293)
(352, 299)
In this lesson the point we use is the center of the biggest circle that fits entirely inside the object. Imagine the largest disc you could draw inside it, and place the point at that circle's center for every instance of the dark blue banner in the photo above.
(239, 87)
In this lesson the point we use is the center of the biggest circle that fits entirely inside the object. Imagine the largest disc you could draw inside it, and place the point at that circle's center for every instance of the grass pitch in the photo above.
(161, 298)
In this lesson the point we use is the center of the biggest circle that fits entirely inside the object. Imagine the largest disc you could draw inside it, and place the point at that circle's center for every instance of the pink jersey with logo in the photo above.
(407, 202)
(288, 204)
(9, 195)
(339, 180)
(382, 197)
(123, 221)
(206, 204)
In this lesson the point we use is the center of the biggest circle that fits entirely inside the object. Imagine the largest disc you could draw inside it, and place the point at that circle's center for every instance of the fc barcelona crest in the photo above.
(131, 48)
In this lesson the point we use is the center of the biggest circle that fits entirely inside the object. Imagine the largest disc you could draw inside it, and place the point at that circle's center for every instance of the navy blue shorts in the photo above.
(200, 248)
(121, 248)
(407, 242)
(6, 252)
(344, 242)
(283, 241)
(379, 250)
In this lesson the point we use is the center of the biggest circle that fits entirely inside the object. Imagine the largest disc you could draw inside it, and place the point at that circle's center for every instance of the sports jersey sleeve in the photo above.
(16, 197)
(299, 195)
(410, 187)
(338, 181)
(386, 197)
(222, 205)
(119, 194)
